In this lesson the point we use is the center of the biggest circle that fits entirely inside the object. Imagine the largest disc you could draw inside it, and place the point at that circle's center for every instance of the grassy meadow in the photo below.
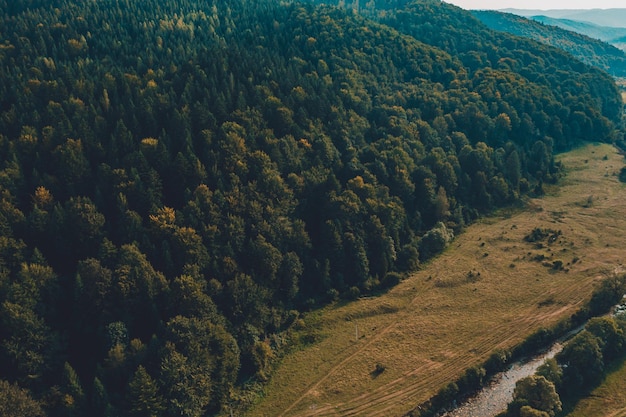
(490, 289)
(608, 400)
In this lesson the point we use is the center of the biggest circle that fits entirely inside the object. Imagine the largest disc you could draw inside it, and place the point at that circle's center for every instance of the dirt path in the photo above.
(489, 290)
(321, 381)
(620, 413)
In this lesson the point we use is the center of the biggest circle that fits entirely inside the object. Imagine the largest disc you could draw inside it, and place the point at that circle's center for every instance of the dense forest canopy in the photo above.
(179, 179)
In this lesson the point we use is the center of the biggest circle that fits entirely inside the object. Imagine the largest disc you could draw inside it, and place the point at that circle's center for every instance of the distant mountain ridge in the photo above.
(591, 51)
(608, 25)
(602, 17)
(604, 33)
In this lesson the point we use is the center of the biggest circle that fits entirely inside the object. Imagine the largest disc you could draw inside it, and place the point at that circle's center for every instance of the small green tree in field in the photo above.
(435, 240)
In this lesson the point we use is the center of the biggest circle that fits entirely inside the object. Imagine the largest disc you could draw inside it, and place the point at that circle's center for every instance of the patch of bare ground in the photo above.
(490, 289)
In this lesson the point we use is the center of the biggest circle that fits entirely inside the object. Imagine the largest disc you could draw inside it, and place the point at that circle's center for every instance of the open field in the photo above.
(490, 289)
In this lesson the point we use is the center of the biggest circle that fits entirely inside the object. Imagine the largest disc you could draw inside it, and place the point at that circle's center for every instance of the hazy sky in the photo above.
(538, 4)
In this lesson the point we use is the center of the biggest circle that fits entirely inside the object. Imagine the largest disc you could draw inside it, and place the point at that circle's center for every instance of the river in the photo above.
(495, 397)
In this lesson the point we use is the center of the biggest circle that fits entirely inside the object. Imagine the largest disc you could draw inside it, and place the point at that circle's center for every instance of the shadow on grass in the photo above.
(570, 403)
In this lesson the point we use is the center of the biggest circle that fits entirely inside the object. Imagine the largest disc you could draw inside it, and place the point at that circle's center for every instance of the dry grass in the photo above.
(431, 327)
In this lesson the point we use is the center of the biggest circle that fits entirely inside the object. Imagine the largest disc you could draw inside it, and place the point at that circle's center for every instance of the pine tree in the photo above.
(143, 395)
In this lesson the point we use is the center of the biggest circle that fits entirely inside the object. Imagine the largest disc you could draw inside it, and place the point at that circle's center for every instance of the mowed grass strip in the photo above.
(490, 289)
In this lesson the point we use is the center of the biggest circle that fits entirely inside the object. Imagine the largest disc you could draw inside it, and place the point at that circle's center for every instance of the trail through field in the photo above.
(319, 382)
(489, 290)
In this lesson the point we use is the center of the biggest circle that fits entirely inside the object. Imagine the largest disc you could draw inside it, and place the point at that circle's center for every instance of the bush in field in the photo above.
(497, 361)
(539, 339)
(435, 240)
(447, 394)
(610, 293)
(471, 380)
(391, 279)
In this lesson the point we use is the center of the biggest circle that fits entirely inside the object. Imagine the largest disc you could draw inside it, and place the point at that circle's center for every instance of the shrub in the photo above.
(471, 380)
(538, 340)
(446, 395)
(610, 293)
(497, 361)
(435, 240)
(379, 369)
(391, 279)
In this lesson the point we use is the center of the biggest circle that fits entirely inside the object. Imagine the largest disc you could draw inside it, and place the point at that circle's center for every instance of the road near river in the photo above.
(494, 398)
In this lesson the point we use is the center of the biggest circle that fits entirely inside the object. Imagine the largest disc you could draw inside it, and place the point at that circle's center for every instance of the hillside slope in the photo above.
(180, 179)
(588, 50)
(601, 17)
(604, 24)
(604, 33)
(484, 295)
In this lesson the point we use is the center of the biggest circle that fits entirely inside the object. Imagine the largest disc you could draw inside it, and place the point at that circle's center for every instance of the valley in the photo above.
(191, 188)
(489, 290)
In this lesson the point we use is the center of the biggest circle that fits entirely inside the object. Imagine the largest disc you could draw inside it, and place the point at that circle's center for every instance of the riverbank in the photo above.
(495, 397)
(489, 290)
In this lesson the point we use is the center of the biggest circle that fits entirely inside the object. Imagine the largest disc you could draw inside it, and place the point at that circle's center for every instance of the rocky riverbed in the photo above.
(495, 397)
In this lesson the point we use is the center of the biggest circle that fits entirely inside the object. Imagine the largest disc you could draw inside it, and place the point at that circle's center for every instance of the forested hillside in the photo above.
(605, 19)
(180, 178)
(605, 33)
(604, 24)
(591, 51)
